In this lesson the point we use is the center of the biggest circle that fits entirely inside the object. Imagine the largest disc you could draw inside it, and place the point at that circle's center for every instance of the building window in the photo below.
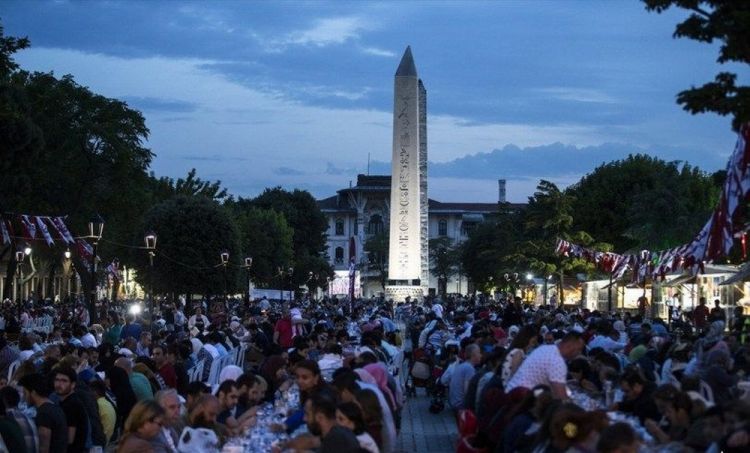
(467, 228)
(376, 225)
(339, 255)
(443, 228)
(339, 227)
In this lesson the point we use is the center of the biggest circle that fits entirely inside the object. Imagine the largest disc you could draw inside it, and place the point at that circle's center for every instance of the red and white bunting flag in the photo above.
(62, 229)
(43, 229)
(113, 270)
(85, 250)
(28, 226)
(4, 231)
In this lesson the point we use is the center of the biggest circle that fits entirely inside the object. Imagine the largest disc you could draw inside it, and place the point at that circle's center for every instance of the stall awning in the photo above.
(681, 280)
(741, 275)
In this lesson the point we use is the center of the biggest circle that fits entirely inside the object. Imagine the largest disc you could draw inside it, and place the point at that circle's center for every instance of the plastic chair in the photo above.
(707, 392)
(12, 369)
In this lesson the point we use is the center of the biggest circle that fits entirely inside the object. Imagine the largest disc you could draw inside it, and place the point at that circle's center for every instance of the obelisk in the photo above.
(408, 211)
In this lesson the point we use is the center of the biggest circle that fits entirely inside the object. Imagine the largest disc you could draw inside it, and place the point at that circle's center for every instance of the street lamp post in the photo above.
(96, 229)
(291, 284)
(150, 241)
(66, 277)
(19, 260)
(224, 261)
(247, 266)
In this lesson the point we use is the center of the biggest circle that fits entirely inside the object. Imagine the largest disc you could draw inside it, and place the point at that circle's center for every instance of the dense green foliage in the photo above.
(726, 21)
(65, 150)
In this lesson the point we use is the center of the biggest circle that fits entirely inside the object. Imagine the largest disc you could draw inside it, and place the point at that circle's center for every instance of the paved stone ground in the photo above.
(422, 431)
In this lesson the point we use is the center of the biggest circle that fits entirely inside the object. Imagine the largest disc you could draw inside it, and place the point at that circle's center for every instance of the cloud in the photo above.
(153, 104)
(331, 169)
(321, 91)
(557, 160)
(378, 52)
(587, 95)
(214, 158)
(287, 171)
(241, 133)
(323, 33)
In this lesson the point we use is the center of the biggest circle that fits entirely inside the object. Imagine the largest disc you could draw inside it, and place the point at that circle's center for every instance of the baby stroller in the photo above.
(437, 390)
(420, 372)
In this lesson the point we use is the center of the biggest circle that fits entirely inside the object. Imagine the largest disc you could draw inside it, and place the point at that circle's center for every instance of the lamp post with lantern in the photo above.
(290, 271)
(96, 229)
(248, 264)
(224, 255)
(20, 255)
(66, 272)
(150, 241)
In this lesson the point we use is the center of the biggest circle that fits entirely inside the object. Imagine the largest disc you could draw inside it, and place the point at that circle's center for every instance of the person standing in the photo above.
(282, 331)
(10, 399)
(50, 418)
(462, 374)
(717, 313)
(75, 413)
(700, 315)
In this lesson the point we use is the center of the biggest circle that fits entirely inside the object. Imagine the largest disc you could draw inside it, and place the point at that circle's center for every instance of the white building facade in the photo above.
(362, 211)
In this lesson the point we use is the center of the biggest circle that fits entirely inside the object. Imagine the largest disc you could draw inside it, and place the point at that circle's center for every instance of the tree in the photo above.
(444, 261)
(376, 248)
(643, 202)
(65, 150)
(726, 21)
(267, 238)
(302, 213)
(165, 187)
(547, 218)
(8, 46)
(192, 232)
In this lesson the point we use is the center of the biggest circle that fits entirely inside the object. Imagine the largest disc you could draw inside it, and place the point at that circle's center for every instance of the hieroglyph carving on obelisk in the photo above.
(406, 241)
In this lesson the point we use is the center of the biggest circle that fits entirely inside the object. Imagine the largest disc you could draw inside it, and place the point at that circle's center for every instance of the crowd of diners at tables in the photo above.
(516, 377)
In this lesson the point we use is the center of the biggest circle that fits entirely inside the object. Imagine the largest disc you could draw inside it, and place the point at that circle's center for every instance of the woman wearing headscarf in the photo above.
(380, 374)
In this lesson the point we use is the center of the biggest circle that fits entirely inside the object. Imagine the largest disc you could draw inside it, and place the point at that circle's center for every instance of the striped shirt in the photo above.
(28, 428)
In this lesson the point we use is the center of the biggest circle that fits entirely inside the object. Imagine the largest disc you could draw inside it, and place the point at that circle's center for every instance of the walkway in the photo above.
(422, 431)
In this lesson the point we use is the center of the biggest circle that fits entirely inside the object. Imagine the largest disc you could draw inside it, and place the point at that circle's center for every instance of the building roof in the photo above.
(438, 206)
(382, 183)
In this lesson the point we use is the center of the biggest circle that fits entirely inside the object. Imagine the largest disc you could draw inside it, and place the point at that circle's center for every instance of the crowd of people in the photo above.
(120, 383)
(517, 377)
(544, 379)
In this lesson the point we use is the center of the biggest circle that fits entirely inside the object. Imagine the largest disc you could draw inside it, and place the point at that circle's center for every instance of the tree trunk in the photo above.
(51, 271)
(10, 274)
(561, 295)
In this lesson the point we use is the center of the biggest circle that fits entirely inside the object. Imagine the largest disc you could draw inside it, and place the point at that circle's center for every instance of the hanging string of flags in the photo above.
(31, 225)
(714, 240)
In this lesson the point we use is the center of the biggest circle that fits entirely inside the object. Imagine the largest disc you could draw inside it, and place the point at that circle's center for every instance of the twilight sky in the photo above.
(259, 94)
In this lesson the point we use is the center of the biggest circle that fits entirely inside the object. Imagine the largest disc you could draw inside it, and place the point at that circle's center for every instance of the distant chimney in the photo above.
(501, 191)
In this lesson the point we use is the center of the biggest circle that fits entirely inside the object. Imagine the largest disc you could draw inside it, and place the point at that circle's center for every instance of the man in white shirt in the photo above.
(546, 366)
(88, 340)
(179, 319)
(198, 320)
(604, 339)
